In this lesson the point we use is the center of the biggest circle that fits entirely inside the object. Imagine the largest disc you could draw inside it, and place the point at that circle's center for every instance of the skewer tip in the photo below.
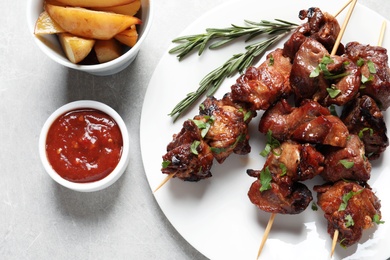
(265, 235)
(170, 176)
(334, 242)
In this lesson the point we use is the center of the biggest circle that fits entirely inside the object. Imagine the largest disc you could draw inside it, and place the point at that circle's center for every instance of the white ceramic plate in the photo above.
(215, 215)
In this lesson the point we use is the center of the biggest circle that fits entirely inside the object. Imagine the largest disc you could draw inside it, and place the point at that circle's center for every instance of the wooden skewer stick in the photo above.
(335, 47)
(266, 232)
(342, 8)
(336, 233)
(382, 34)
(170, 176)
(343, 27)
(334, 242)
(334, 50)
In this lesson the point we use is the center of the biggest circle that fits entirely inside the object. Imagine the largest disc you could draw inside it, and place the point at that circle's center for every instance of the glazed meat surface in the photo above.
(363, 117)
(181, 159)
(309, 123)
(348, 163)
(261, 87)
(228, 126)
(288, 164)
(301, 161)
(281, 199)
(320, 26)
(356, 216)
(377, 85)
(337, 82)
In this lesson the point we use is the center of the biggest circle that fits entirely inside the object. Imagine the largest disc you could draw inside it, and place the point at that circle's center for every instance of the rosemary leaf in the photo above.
(225, 35)
(213, 80)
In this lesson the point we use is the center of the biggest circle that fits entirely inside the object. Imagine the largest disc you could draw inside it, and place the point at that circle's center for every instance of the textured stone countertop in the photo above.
(38, 218)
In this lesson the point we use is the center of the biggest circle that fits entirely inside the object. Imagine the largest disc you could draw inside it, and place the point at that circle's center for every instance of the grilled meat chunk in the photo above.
(375, 69)
(349, 208)
(227, 126)
(281, 199)
(347, 163)
(363, 118)
(261, 87)
(188, 156)
(320, 26)
(287, 164)
(326, 79)
(309, 123)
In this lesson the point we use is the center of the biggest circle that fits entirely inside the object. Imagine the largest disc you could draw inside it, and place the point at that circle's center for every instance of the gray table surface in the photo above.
(38, 218)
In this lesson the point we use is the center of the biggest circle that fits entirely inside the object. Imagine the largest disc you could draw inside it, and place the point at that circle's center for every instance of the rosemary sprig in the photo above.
(223, 36)
(238, 62)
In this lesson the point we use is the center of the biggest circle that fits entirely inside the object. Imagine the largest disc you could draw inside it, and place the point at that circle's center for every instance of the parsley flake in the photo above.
(376, 219)
(194, 147)
(346, 198)
(265, 179)
(349, 221)
(347, 164)
(165, 164)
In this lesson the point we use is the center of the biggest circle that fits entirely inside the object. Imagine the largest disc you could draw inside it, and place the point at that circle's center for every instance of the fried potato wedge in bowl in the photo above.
(127, 22)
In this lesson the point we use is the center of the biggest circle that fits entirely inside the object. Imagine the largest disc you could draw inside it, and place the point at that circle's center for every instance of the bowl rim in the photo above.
(90, 186)
(131, 53)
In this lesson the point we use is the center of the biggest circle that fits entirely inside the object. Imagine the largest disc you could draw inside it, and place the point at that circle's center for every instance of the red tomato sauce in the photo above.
(84, 145)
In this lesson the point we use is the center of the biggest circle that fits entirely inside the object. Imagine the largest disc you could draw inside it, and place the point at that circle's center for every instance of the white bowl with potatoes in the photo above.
(100, 37)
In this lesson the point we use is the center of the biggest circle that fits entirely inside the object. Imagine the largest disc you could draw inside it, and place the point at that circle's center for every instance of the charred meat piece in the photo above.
(363, 118)
(347, 163)
(226, 124)
(261, 87)
(298, 162)
(309, 123)
(375, 69)
(286, 165)
(188, 156)
(349, 208)
(326, 79)
(281, 199)
(320, 26)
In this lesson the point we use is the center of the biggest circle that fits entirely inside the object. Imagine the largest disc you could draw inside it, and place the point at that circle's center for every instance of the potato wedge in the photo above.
(89, 23)
(128, 9)
(128, 37)
(75, 48)
(107, 50)
(95, 3)
(46, 25)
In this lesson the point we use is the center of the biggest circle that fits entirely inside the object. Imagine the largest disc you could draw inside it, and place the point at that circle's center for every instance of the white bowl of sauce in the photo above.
(84, 146)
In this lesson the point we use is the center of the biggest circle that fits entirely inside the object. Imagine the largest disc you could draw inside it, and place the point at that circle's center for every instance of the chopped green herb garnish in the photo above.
(333, 91)
(371, 67)
(322, 67)
(314, 206)
(332, 109)
(272, 143)
(194, 147)
(271, 60)
(376, 220)
(361, 132)
(365, 79)
(315, 73)
(265, 179)
(165, 164)
(347, 197)
(347, 164)
(247, 115)
(283, 168)
(360, 62)
(349, 221)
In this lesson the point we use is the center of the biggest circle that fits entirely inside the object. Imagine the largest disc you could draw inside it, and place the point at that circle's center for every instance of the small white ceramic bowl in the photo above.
(50, 45)
(89, 186)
